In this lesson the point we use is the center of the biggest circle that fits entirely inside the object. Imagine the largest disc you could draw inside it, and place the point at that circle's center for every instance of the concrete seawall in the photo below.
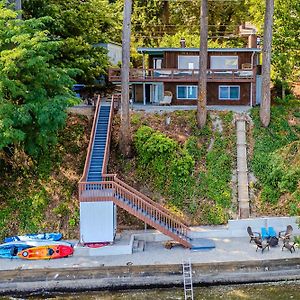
(123, 277)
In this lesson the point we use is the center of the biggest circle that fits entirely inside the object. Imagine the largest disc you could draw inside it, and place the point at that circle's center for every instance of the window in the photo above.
(157, 63)
(188, 62)
(187, 91)
(224, 62)
(229, 92)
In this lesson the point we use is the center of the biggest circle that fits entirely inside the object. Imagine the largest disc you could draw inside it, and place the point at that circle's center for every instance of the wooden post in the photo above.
(202, 82)
(125, 134)
(266, 65)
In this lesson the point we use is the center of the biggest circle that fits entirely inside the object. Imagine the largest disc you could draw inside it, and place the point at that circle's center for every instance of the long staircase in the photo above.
(96, 185)
(98, 147)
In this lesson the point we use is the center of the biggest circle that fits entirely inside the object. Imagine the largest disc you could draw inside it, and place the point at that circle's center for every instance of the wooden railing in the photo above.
(114, 74)
(113, 177)
(90, 146)
(137, 205)
(108, 137)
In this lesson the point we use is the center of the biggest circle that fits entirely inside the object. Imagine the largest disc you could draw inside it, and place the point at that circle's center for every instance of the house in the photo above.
(114, 52)
(233, 76)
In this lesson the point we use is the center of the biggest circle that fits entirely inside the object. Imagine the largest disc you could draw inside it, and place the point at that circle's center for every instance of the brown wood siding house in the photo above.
(231, 80)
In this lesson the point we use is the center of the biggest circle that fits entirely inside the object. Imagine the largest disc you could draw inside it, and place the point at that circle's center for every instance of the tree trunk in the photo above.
(125, 132)
(166, 13)
(266, 64)
(283, 92)
(283, 89)
(202, 83)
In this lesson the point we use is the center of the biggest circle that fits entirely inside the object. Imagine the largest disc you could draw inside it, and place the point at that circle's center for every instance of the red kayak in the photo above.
(46, 252)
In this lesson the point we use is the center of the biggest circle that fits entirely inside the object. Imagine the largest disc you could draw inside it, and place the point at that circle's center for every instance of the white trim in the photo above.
(225, 56)
(187, 86)
(229, 86)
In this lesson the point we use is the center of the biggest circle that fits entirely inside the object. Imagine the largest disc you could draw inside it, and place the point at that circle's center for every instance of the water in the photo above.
(274, 291)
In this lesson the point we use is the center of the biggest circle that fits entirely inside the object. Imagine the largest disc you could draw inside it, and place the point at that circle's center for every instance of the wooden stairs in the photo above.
(96, 185)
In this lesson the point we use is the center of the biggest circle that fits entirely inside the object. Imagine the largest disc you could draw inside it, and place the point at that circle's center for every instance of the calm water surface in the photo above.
(276, 291)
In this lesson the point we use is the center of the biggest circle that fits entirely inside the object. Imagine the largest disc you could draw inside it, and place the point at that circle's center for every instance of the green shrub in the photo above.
(274, 149)
(62, 210)
(215, 181)
(163, 160)
(192, 147)
(213, 215)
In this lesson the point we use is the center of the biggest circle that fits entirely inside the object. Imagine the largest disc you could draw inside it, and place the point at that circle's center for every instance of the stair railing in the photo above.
(112, 191)
(108, 137)
(113, 177)
(91, 142)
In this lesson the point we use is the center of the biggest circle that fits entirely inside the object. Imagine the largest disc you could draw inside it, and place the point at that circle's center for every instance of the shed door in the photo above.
(97, 222)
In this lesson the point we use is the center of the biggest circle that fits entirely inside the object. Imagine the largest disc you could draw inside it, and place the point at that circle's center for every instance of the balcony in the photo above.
(182, 75)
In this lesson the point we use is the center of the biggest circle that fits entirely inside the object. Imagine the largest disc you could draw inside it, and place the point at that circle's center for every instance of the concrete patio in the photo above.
(232, 245)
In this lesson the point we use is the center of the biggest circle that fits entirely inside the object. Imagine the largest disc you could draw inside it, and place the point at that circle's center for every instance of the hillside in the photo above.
(186, 169)
(275, 161)
(190, 171)
(42, 196)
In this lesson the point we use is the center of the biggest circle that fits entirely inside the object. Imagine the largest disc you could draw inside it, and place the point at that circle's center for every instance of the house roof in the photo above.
(162, 50)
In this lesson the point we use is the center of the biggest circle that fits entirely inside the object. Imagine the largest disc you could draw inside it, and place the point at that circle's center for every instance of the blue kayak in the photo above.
(11, 250)
(53, 236)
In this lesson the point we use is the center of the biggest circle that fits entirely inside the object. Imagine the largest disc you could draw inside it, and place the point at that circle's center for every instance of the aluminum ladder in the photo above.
(187, 280)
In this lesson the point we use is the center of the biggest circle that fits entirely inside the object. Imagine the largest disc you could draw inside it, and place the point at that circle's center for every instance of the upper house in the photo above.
(233, 76)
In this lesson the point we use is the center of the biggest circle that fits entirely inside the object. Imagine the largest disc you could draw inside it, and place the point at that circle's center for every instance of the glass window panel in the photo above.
(192, 92)
(181, 92)
(188, 62)
(157, 63)
(223, 90)
(224, 62)
(234, 92)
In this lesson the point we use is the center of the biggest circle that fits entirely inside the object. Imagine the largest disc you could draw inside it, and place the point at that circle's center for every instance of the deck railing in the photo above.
(136, 75)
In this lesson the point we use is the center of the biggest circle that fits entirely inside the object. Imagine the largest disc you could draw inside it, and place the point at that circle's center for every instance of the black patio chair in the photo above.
(260, 245)
(252, 234)
(286, 234)
(289, 246)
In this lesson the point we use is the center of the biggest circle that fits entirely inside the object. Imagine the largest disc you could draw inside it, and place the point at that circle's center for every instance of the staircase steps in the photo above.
(123, 195)
(138, 246)
(99, 144)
